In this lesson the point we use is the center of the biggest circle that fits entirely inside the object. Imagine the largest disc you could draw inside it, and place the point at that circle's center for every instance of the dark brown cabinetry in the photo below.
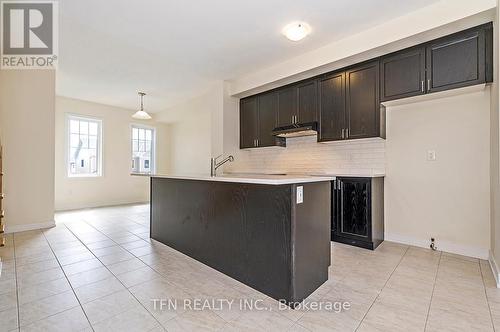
(287, 106)
(257, 120)
(456, 61)
(297, 103)
(255, 233)
(362, 101)
(402, 74)
(331, 107)
(307, 102)
(249, 118)
(267, 110)
(349, 104)
(358, 211)
(346, 103)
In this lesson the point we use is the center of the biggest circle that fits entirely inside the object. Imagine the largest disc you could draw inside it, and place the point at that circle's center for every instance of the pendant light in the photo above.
(141, 114)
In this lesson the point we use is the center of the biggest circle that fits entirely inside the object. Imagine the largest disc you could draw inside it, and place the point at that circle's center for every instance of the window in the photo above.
(143, 149)
(84, 146)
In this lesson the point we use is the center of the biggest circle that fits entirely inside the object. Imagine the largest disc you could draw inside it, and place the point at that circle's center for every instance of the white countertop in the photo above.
(250, 178)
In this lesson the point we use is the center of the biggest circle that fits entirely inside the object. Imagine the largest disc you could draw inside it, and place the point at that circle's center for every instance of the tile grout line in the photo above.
(136, 257)
(17, 284)
(153, 268)
(486, 295)
(67, 279)
(140, 303)
(432, 294)
(293, 323)
(373, 302)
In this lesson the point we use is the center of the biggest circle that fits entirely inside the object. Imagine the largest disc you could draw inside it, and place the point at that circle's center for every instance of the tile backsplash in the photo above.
(306, 155)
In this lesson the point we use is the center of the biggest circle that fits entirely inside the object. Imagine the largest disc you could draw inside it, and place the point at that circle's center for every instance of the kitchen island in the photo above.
(271, 233)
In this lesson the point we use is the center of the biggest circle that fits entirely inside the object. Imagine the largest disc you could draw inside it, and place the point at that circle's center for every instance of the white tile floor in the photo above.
(98, 270)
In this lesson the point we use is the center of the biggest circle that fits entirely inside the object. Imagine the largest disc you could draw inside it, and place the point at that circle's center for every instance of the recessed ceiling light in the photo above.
(296, 31)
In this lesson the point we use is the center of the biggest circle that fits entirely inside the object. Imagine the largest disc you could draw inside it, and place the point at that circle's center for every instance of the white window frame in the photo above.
(153, 147)
(70, 117)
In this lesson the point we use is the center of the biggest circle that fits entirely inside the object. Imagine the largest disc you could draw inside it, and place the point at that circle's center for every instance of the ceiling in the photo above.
(174, 50)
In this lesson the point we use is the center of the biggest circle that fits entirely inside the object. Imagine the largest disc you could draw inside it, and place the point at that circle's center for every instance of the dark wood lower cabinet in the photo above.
(254, 233)
(358, 211)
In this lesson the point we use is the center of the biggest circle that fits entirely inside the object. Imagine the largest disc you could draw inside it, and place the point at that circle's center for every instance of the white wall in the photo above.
(449, 198)
(196, 131)
(190, 143)
(27, 107)
(116, 185)
(495, 156)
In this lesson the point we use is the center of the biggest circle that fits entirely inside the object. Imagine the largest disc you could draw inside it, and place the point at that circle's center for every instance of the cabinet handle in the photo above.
(422, 86)
(347, 133)
(343, 131)
(428, 85)
(257, 141)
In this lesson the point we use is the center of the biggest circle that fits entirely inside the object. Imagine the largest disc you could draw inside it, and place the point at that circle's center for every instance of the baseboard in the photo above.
(73, 207)
(446, 246)
(28, 227)
(494, 268)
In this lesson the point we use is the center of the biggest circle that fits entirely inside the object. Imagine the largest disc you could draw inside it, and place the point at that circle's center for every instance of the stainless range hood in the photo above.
(296, 130)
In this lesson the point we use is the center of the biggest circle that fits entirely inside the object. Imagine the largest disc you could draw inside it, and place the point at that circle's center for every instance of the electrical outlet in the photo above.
(431, 155)
(300, 194)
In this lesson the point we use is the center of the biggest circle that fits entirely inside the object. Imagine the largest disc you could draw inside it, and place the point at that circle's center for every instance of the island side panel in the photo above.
(242, 230)
(311, 229)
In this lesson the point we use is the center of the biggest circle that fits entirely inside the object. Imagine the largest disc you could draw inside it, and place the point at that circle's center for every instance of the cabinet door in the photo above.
(355, 215)
(402, 74)
(331, 107)
(362, 101)
(456, 61)
(248, 122)
(268, 110)
(287, 105)
(307, 102)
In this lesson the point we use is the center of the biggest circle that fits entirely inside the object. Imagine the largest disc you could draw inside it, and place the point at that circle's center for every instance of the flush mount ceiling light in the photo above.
(141, 114)
(296, 31)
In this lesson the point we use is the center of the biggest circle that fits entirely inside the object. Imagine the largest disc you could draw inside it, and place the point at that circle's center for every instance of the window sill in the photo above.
(141, 174)
(86, 176)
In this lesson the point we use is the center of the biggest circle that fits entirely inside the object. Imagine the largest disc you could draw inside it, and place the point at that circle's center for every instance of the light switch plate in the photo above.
(431, 155)
(300, 194)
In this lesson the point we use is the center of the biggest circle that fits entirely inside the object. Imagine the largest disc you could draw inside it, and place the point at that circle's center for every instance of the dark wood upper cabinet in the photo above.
(287, 105)
(268, 111)
(331, 107)
(248, 122)
(362, 101)
(257, 120)
(307, 101)
(346, 103)
(402, 74)
(457, 60)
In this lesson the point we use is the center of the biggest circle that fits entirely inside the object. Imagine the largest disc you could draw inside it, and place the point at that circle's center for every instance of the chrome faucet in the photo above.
(214, 164)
